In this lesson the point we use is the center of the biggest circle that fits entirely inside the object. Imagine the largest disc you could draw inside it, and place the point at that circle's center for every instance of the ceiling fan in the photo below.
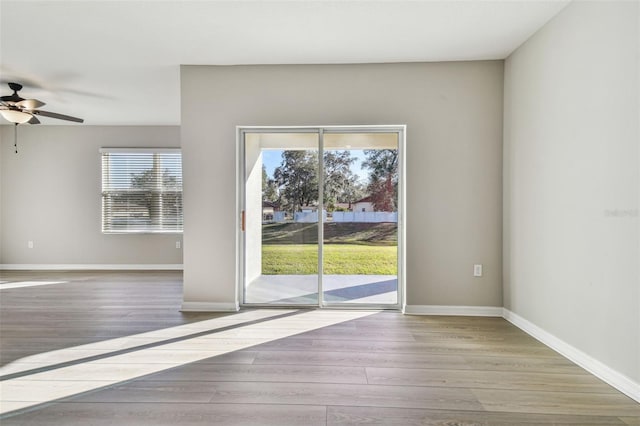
(18, 110)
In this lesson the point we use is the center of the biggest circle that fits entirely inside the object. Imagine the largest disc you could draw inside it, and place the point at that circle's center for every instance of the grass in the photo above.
(339, 259)
(349, 248)
(382, 234)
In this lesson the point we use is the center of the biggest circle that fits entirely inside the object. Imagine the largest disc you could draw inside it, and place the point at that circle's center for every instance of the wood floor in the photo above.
(136, 360)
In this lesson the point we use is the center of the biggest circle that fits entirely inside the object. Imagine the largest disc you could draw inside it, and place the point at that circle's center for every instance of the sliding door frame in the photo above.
(241, 131)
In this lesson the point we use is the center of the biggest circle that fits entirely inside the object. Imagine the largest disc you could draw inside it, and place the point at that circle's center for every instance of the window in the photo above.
(141, 190)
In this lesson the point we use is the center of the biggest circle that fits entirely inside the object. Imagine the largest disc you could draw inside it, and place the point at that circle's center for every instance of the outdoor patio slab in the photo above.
(303, 289)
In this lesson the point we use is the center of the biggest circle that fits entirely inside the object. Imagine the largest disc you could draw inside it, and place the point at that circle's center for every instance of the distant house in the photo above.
(268, 210)
(363, 205)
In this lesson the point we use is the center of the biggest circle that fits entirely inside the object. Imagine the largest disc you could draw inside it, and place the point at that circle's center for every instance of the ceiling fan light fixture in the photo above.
(17, 117)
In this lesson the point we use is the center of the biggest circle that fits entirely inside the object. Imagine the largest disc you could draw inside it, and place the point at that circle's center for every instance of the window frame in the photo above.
(106, 189)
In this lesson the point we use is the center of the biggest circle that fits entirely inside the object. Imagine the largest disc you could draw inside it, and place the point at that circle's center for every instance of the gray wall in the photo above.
(571, 181)
(50, 194)
(1, 180)
(453, 113)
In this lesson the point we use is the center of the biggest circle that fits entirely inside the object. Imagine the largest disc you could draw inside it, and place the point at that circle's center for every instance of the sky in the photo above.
(272, 158)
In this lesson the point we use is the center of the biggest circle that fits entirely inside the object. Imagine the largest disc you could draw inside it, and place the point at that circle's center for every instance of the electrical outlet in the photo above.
(477, 270)
(30, 244)
(178, 244)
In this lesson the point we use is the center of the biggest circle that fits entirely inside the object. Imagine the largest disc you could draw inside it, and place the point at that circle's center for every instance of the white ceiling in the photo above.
(117, 62)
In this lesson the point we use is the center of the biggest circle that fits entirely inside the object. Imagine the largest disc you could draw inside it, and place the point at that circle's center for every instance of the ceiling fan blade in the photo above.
(30, 104)
(56, 115)
(34, 120)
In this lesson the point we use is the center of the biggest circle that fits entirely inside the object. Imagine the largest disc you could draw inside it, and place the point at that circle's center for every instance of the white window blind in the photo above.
(141, 190)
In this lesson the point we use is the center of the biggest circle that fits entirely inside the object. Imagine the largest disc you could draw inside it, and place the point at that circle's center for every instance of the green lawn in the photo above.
(340, 259)
(379, 234)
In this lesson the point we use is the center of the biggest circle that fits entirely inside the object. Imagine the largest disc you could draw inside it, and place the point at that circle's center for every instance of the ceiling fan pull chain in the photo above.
(15, 136)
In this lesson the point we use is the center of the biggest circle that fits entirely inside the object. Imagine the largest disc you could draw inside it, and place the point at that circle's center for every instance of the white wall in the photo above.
(2, 134)
(50, 193)
(253, 213)
(571, 185)
(453, 113)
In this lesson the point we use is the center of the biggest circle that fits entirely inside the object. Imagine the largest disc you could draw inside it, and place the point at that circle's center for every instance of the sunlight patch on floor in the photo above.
(4, 285)
(52, 358)
(47, 386)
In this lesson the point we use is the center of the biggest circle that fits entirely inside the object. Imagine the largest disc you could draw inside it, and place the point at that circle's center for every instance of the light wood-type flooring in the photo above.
(112, 348)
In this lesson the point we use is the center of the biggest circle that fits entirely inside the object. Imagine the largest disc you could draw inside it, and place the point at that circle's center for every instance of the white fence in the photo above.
(308, 217)
(371, 217)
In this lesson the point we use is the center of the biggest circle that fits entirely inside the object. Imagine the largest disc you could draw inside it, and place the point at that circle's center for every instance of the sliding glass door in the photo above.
(280, 218)
(321, 209)
(360, 233)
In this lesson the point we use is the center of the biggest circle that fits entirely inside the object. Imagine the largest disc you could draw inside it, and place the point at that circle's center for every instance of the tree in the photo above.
(295, 181)
(353, 192)
(146, 180)
(158, 194)
(383, 178)
(339, 180)
(297, 178)
(265, 180)
(269, 187)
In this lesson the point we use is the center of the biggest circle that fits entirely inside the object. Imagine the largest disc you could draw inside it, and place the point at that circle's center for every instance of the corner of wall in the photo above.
(619, 381)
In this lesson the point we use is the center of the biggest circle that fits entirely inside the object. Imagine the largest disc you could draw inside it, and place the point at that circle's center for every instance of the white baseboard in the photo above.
(474, 311)
(209, 307)
(91, 267)
(619, 381)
